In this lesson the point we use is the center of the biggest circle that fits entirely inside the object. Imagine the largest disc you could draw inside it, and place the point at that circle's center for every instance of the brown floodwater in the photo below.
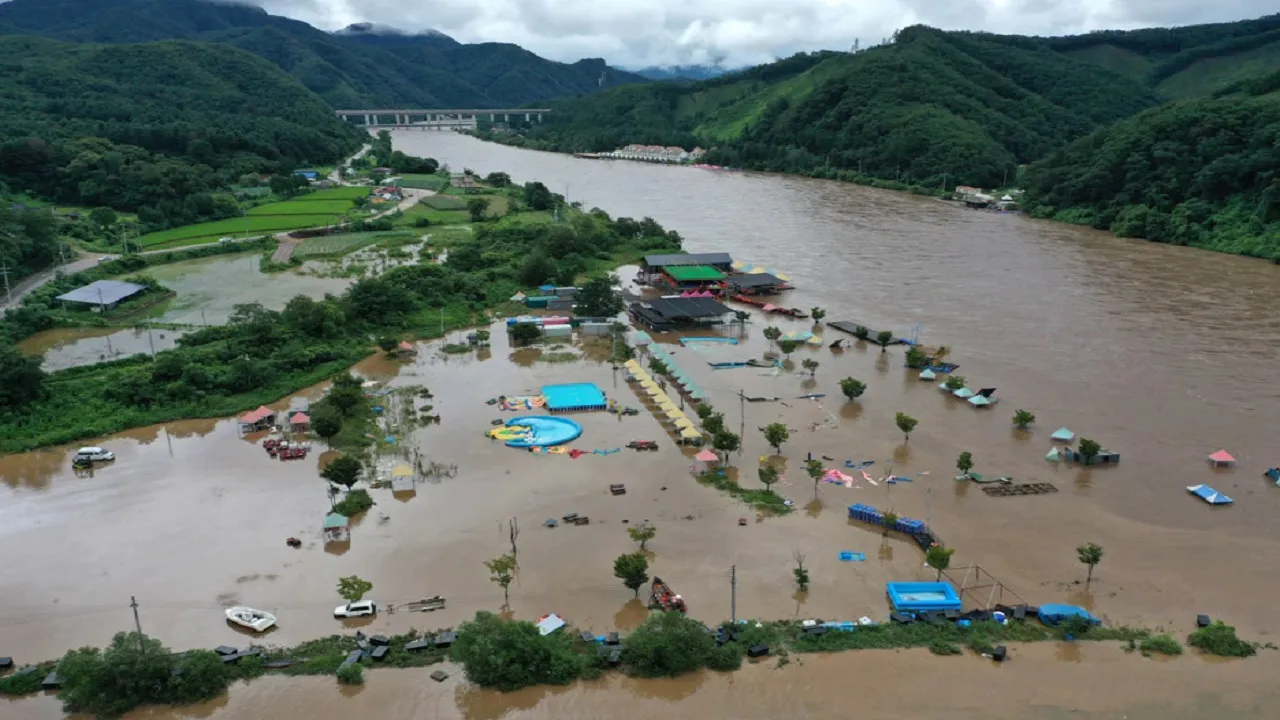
(1160, 353)
(70, 347)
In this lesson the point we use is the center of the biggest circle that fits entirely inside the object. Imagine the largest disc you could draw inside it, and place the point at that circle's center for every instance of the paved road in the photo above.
(29, 284)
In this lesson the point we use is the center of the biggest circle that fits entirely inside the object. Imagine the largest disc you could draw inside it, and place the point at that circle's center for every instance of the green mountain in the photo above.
(931, 107)
(1183, 62)
(156, 127)
(361, 67)
(1202, 172)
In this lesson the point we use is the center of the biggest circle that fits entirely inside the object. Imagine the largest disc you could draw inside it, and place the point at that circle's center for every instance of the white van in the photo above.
(94, 454)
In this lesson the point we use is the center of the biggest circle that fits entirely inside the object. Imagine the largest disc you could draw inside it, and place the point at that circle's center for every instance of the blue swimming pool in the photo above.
(545, 431)
(923, 596)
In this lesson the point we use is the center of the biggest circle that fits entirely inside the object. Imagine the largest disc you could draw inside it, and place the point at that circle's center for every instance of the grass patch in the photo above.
(1164, 644)
(561, 356)
(942, 647)
(1220, 639)
(456, 349)
(338, 193)
(343, 244)
(444, 202)
(766, 500)
(303, 207)
(423, 182)
(247, 225)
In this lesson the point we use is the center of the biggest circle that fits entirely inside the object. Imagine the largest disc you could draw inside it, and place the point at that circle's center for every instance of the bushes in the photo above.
(511, 654)
(356, 502)
(351, 674)
(666, 645)
(1220, 639)
(1160, 644)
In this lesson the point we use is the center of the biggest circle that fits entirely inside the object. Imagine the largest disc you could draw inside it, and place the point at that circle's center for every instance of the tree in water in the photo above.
(502, 571)
(906, 424)
(801, 574)
(633, 570)
(852, 388)
(776, 434)
(964, 463)
(599, 297)
(344, 471)
(810, 364)
(816, 471)
(642, 533)
(1088, 450)
(726, 442)
(939, 558)
(353, 588)
(1090, 554)
(772, 333)
(883, 338)
(1023, 419)
(768, 476)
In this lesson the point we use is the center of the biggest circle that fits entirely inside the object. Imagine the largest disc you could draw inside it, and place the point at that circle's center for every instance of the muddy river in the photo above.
(1162, 354)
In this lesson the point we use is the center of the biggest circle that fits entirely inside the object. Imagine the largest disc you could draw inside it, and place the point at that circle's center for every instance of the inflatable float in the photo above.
(537, 431)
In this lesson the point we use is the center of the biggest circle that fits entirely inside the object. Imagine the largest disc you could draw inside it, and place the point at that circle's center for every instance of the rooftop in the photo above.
(686, 308)
(693, 273)
(754, 281)
(102, 292)
(688, 259)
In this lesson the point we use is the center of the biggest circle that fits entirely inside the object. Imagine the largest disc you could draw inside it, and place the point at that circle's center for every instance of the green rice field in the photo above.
(423, 182)
(444, 202)
(232, 227)
(339, 244)
(304, 207)
(338, 193)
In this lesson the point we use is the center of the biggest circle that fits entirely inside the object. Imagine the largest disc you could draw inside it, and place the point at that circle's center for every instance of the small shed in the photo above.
(402, 479)
(1222, 459)
(299, 422)
(337, 528)
(260, 419)
(705, 462)
(1062, 434)
(406, 348)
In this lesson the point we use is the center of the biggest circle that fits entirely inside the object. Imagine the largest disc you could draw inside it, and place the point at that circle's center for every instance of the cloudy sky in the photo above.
(637, 33)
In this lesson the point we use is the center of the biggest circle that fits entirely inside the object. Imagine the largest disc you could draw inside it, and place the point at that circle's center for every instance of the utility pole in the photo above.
(150, 341)
(133, 603)
(742, 413)
(8, 292)
(202, 320)
(732, 595)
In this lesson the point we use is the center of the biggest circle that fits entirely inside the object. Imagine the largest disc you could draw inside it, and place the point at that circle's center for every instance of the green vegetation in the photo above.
(160, 129)
(304, 206)
(511, 654)
(667, 644)
(344, 471)
(765, 500)
(776, 434)
(1090, 554)
(262, 355)
(1220, 639)
(423, 182)
(247, 226)
(905, 423)
(1164, 644)
(350, 70)
(352, 674)
(355, 502)
(1022, 419)
(1088, 450)
(1198, 173)
(335, 245)
(642, 533)
(964, 463)
(939, 558)
(502, 571)
(353, 589)
(800, 572)
(852, 388)
(633, 570)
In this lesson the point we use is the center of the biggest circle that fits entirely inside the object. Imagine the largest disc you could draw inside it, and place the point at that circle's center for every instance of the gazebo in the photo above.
(406, 348)
(337, 528)
(299, 422)
(1222, 459)
(260, 419)
(1062, 434)
(705, 462)
(402, 478)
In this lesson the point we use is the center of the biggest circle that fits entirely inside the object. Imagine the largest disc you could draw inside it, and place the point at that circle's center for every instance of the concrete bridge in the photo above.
(437, 119)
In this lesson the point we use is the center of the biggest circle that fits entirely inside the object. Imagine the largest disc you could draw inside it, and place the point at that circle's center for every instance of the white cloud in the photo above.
(634, 33)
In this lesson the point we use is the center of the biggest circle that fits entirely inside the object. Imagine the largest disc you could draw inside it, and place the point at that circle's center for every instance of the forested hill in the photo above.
(1202, 172)
(154, 127)
(1181, 62)
(359, 68)
(931, 106)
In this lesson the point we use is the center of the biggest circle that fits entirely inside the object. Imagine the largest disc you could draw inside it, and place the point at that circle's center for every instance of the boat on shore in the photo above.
(247, 617)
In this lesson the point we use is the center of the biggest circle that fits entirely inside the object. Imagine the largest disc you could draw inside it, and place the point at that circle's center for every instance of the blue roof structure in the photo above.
(102, 292)
(1053, 614)
(573, 397)
(1209, 495)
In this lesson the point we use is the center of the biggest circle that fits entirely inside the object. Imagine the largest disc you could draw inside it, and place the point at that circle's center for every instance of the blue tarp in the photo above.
(1054, 614)
(1209, 495)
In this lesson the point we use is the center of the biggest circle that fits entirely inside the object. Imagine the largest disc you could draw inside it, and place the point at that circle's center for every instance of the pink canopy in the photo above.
(706, 456)
(258, 415)
(768, 307)
(1222, 456)
(299, 419)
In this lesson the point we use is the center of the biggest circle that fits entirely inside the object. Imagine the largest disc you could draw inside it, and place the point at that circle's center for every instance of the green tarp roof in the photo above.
(690, 273)
(334, 520)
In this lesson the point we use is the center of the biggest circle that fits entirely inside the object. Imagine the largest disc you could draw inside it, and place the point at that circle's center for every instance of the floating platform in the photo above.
(1023, 489)
(849, 326)
(574, 397)
(537, 431)
(687, 340)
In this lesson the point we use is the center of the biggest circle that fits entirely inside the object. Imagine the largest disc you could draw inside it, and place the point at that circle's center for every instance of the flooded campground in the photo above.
(1159, 353)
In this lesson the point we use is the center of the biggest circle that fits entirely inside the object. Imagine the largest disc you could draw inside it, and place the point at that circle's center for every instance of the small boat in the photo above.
(664, 598)
(435, 602)
(256, 620)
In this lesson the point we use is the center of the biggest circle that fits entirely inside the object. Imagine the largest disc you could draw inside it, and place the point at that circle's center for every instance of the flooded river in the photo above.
(1162, 354)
